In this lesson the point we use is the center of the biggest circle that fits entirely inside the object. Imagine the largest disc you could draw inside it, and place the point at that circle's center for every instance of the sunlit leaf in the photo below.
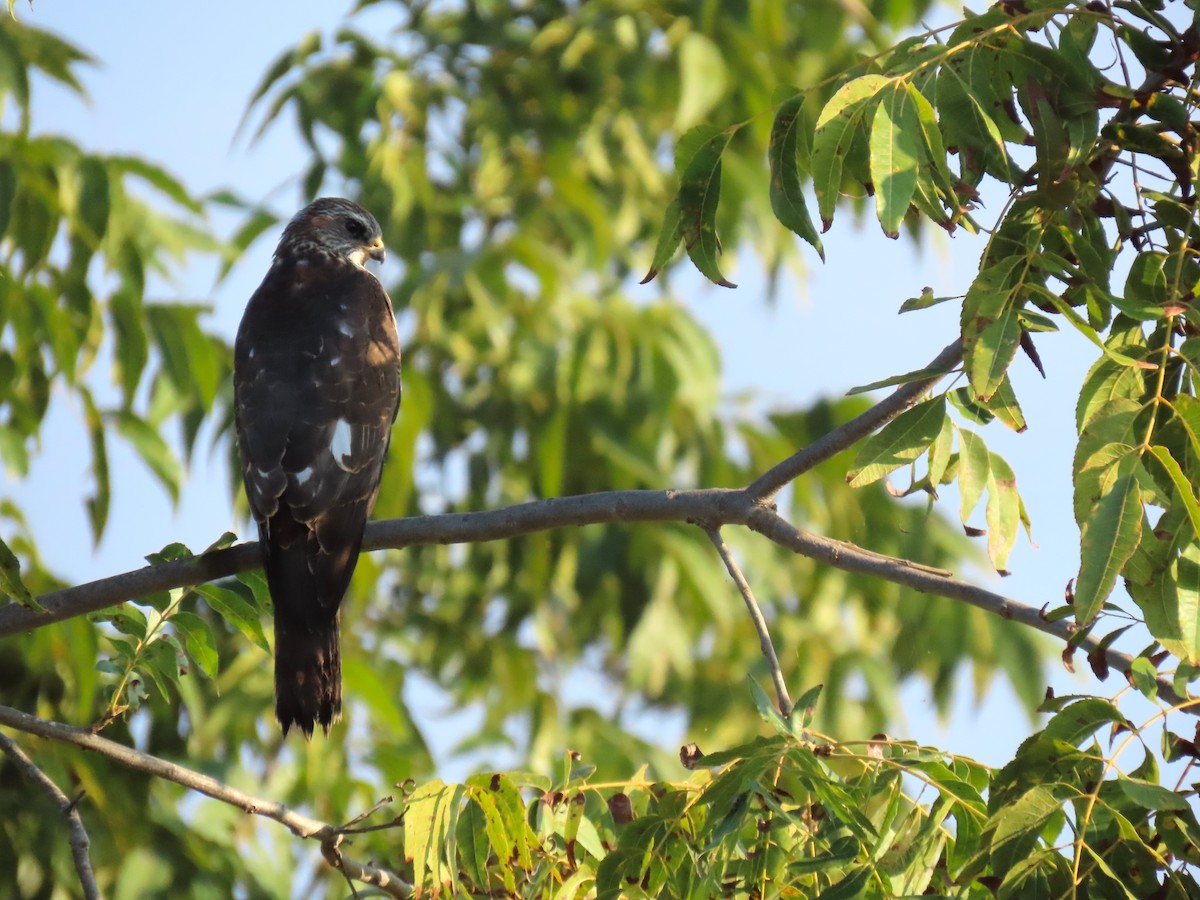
(895, 130)
(1110, 536)
(899, 442)
(11, 584)
(837, 128)
(236, 611)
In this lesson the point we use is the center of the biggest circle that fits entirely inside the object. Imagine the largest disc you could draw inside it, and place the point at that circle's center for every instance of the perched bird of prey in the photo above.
(316, 388)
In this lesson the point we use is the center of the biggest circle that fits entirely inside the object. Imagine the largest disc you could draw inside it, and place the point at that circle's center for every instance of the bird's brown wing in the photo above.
(317, 387)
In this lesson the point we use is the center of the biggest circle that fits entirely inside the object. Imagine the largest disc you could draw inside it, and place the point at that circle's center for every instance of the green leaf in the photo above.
(1003, 511)
(940, 452)
(1078, 721)
(1183, 487)
(1106, 381)
(161, 659)
(11, 584)
(199, 640)
(767, 709)
(94, 202)
(991, 326)
(932, 144)
(128, 619)
(153, 450)
(236, 611)
(806, 703)
(906, 378)
(473, 846)
(427, 821)
(701, 79)
(787, 197)
(1110, 536)
(925, 300)
(850, 887)
(1170, 602)
(840, 852)
(258, 588)
(1152, 796)
(894, 156)
(1145, 677)
(1003, 404)
(669, 236)
(98, 503)
(1015, 827)
(974, 467)
(159, 178)
(901, 441)
(699, 196)
(253, 228)
(837, 127)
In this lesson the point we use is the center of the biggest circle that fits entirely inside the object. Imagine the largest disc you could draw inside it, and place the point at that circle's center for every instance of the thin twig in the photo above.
(756, 616)
(78, 839)
(300, 824)
(830, 444)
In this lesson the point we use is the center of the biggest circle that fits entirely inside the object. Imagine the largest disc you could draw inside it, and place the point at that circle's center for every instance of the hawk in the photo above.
(316, 389)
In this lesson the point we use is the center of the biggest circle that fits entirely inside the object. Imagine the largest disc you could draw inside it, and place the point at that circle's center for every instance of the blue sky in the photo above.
(172, 86)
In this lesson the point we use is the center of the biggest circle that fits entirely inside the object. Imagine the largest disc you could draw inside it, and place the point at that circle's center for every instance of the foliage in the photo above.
(801, 814)
(527, 163)
(77, 245)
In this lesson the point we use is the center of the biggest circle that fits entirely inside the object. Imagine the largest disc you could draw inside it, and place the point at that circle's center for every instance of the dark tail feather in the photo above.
(308, 678)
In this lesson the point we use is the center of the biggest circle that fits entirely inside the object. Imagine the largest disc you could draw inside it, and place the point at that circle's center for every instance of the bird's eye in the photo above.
(356, 228)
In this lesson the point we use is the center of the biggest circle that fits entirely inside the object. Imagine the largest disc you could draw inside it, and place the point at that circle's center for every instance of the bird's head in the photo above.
(333, 226)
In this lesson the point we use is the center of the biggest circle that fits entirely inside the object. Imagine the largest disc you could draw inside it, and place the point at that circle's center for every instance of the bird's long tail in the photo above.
(308, 677)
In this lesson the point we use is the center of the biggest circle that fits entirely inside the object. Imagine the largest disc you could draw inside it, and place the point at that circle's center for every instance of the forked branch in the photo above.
(78, 838)
(300, 824)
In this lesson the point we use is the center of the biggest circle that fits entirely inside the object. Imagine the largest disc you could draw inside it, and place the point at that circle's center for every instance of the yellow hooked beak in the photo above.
(376, 250)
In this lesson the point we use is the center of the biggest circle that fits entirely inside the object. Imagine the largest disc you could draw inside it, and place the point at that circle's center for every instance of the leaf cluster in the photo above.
(81, 235)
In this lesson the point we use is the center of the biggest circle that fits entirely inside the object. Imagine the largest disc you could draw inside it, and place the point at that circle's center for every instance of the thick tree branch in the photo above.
(711, 508)
(851, 558)
(777, 477)
(78, 839)
(756, 616)
(300, 824)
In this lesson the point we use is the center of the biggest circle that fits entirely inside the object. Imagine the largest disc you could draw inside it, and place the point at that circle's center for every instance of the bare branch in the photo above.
(756, 616)
(777, 477)
(78, 839)
(300, 824)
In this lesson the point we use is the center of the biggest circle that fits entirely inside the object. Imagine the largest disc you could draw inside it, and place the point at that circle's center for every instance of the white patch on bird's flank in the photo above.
(333, 361)
(303, 475)
(346, 328)
(341, 445)
(263, 473)
(250, 355)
